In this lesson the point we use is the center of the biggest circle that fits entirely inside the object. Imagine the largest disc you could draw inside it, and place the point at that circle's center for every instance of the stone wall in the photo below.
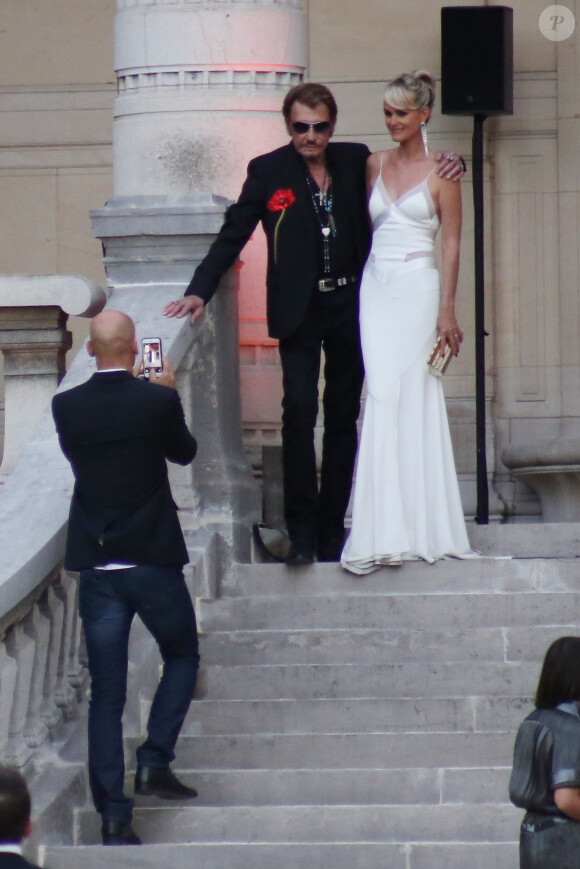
(56, 107)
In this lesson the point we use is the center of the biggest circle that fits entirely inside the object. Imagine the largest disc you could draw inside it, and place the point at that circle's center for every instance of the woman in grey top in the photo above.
(546, 771)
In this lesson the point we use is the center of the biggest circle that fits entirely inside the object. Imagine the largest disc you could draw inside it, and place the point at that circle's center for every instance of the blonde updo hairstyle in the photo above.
(414, 90)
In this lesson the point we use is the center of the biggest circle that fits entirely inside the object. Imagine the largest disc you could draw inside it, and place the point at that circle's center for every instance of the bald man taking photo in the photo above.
(124, 537)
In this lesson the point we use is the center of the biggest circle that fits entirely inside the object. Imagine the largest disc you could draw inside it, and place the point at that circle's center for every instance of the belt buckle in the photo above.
(326, 285)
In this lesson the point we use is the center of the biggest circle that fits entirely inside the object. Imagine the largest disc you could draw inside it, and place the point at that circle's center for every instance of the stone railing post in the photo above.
(33, 340)
(8, 670)
(40, 674)
(21, 647)
(36, 729)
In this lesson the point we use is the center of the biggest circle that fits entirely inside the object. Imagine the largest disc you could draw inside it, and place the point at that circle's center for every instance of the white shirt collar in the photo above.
(5, 848)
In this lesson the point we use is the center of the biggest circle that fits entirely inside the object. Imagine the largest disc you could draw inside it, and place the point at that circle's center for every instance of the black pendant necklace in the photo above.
(322, 201)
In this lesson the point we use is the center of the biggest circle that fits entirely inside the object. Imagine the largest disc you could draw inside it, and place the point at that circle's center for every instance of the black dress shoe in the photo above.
(329, 555)
(161, 782)
(329, 551)
(330, 544)
(300, 554)
(118, 833)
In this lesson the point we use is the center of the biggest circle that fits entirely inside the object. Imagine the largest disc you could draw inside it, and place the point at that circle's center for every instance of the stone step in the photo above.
(414, 577)
(411, 680)
(377, 715)
(392, 611)
(432, 855)
(326, 646)
(291, 787)
(330, 824)
(361, 723)
(342, 750)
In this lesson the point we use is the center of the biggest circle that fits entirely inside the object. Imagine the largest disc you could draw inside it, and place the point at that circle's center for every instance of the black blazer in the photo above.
(293, 260)
(15, 861)
(117, 433)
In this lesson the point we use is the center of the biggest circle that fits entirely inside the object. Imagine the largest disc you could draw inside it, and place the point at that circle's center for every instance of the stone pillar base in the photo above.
(152, 245)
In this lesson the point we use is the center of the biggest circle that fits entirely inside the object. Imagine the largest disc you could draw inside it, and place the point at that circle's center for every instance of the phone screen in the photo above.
(152, 354)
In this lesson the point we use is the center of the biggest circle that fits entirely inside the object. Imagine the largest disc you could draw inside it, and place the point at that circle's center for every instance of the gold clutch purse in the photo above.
(437, 363)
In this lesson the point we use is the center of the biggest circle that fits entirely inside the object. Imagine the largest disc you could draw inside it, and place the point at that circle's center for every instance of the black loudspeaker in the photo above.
(477, 60)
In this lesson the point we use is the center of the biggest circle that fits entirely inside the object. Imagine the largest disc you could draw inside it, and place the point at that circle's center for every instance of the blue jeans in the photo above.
(108, 602)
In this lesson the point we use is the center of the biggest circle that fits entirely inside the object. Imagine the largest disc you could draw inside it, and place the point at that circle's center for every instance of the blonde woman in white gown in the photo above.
(406, 497)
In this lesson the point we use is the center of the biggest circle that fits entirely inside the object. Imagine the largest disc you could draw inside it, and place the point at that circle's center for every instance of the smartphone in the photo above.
(152, 355)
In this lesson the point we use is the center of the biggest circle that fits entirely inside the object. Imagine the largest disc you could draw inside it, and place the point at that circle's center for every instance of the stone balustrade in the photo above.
(41, 674)
(34, 310)
(42, 677)
(149, 253)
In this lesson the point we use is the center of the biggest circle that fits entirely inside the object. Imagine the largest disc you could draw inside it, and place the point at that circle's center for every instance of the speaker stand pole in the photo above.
(482, 514)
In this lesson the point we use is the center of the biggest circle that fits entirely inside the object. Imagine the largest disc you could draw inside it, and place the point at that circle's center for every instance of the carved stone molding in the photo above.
(210, 4)
(185, 79)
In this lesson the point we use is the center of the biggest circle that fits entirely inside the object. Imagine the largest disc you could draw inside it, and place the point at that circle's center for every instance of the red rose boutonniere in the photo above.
(280, 201)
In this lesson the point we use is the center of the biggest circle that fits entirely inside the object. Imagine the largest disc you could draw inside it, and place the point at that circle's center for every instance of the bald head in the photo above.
(112, 340)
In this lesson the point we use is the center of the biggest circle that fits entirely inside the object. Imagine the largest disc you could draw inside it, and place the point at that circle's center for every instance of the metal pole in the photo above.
(482, 514)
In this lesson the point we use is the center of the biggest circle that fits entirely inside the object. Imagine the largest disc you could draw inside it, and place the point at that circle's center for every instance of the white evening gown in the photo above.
(406, 498)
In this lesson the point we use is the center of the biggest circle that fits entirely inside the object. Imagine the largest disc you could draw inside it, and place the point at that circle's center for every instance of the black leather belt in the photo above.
(327, 285)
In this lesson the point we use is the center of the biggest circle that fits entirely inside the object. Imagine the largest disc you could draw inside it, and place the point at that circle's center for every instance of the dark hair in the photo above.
(311, 95)
(560, 676)
(14, 806)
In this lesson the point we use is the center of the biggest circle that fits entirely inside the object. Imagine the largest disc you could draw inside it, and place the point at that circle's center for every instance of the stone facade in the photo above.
(56, 164)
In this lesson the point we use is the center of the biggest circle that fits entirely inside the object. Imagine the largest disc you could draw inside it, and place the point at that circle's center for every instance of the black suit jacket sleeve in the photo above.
(181, 446)
(15, 861)
(241, 219)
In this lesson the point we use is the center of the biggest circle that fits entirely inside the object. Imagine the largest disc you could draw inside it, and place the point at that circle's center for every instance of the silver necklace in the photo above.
(322, 201)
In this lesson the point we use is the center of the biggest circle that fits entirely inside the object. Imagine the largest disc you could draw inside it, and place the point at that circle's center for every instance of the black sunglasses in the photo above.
(302, 127)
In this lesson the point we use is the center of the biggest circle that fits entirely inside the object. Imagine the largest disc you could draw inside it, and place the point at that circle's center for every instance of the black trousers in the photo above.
(552, 845)
(331, 323)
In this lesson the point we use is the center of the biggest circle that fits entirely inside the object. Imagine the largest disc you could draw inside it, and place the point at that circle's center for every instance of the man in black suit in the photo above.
(14, 819)
(125, 539)
(310, 197)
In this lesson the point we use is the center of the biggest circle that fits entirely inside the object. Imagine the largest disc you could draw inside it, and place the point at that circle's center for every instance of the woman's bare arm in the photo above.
(568, 801)
(448, 201)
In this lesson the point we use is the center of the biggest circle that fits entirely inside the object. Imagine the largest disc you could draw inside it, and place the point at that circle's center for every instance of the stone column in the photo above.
(149, 248)
(200, 87)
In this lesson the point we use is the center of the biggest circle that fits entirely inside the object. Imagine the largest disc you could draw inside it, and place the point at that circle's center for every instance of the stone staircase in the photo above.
(348, 722)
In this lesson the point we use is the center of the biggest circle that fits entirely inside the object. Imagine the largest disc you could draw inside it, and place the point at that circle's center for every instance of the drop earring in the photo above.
(424, 137)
